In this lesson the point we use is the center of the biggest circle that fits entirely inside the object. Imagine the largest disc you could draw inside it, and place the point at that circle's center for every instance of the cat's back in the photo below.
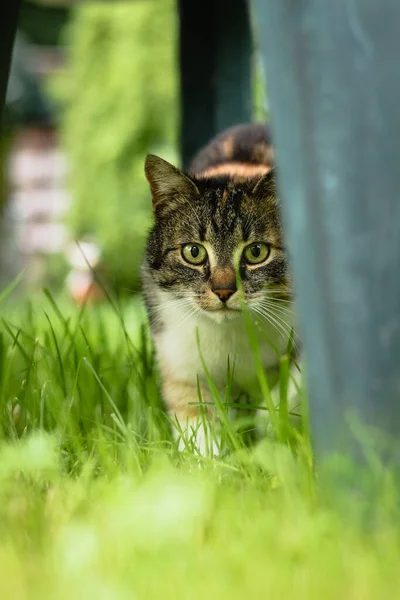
(244, 150)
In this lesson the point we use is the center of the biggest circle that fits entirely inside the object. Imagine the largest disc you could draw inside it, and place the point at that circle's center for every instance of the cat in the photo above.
(216, 244)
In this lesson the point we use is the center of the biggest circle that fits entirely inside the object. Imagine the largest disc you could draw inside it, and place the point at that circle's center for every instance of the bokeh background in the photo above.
(94, 87)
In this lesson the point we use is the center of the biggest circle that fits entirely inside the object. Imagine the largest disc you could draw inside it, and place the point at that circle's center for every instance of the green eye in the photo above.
(194, 254)
(256, 253)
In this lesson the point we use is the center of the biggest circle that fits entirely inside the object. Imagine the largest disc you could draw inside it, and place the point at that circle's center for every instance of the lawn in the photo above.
(96, 502)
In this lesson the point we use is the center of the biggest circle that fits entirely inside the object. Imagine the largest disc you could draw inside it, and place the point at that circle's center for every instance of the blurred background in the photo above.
(94, 87)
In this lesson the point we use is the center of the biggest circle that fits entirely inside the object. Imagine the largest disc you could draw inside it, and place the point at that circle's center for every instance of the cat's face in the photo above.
(216, 244)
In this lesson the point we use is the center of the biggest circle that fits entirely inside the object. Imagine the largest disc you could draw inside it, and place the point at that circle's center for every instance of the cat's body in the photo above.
(217, 242)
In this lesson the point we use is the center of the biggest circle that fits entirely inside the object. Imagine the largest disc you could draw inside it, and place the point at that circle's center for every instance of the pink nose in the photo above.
(224, 294)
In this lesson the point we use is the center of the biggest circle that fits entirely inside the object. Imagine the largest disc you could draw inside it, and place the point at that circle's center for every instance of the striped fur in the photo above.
(226, 201)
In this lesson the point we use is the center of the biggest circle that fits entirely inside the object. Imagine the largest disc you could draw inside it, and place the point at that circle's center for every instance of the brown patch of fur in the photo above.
(264, 154)
(238, 171)
(181, 397)
(228, 146)
(223, 279)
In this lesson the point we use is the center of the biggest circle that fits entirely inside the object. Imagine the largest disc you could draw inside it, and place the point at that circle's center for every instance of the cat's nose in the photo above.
(224, 294)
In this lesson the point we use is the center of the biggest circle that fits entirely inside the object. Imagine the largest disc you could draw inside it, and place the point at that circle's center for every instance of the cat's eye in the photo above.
(194, 254)
(256, 253)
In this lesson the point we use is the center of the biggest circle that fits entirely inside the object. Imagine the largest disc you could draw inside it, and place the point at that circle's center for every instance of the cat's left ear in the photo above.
(266, 186)
(168, 184)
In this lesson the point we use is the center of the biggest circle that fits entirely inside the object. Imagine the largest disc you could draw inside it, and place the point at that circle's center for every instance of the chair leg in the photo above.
(334, 93)
(215, 70)
(9, 12)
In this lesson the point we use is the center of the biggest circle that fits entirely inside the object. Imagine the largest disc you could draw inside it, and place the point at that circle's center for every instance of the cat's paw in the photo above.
(264, 423)
(205, 442)
(199, 439)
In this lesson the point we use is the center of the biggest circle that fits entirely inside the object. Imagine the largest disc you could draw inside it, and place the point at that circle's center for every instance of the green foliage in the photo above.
(121, 104)
(74, 373)
(96, 502)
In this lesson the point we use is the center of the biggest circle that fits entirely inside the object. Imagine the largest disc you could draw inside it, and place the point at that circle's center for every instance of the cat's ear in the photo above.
(168, 184)
(266, 186)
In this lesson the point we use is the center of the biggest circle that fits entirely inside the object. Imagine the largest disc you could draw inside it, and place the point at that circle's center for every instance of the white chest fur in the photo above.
(177, 347)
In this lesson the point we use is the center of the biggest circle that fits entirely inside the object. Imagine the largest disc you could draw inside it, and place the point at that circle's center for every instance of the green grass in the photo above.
(95, 501)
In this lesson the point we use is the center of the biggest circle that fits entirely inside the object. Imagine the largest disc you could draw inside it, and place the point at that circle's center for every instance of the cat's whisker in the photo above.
(289, 331)
(286, 327)
(275, 306)
(280, 309)
(268, 291)
(187, 295)
(189, 314)
(279, 289)
(197, 218)
(277, 301)
(276, 298)
(280, 322)
(172, 304)
(270, 320)
(189, 222)
(279, 313)
(176, 323)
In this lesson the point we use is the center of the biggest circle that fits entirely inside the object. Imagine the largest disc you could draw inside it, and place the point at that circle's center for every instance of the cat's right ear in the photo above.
(168, 184)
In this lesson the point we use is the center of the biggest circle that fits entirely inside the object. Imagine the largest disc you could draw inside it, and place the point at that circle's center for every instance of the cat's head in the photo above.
(216, 242)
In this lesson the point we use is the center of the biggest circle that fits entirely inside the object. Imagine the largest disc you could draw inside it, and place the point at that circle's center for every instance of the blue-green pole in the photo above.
(334, 89)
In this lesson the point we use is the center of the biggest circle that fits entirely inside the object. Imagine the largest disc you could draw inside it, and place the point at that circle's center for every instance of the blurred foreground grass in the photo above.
(95, 502)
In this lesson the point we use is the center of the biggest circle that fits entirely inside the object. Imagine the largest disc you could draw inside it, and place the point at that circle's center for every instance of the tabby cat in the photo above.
(216, 244)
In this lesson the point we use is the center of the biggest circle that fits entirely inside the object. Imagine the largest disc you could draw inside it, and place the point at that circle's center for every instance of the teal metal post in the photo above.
(215, 69)
(334, 89)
